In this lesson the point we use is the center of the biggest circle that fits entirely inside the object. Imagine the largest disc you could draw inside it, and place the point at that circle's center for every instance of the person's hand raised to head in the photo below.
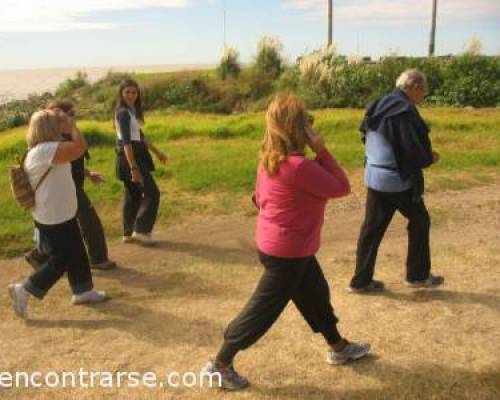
(314, 139)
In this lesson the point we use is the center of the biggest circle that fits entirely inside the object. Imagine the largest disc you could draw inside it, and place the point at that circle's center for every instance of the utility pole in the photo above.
(330, 22)
(432, 42)
(225, 43)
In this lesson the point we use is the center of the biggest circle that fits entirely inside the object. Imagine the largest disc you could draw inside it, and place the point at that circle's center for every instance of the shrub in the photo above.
(289, 80)
(471, 80)
(66, 88)
(229, 65)
(269, 59)
(260, 83)
(16, 113)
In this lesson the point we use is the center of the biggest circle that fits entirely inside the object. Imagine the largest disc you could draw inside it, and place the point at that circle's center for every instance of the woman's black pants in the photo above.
(298, 279)
(140, 205)
(63, 244)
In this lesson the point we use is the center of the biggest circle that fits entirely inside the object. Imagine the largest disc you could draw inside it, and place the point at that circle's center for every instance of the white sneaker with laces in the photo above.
(226, 377)
(90, 297)
(351, 351)
(19, 297)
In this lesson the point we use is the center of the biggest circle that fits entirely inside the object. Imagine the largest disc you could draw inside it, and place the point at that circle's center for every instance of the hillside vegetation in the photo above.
(323, 78)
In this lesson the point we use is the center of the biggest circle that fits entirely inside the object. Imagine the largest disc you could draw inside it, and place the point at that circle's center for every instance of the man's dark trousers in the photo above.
(380, 208)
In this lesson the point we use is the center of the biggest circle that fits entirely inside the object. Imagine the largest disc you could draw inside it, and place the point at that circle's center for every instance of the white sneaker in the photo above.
(127, 239)
(352, 351)
(145, 239)
(20, 299)
(90, 297)
(229, 378)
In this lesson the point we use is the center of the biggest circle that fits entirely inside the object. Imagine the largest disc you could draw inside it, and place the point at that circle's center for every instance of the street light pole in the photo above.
(330, 22)
(432, 41)
(225, 43)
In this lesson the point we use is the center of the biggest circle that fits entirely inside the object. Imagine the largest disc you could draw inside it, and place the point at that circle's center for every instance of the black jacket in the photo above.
(397, 119)
(78, 165)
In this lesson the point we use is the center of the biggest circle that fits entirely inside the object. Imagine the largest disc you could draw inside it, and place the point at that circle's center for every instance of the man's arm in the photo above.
(414, 148)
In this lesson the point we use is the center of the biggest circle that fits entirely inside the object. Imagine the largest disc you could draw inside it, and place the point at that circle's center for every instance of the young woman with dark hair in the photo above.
(134, 166)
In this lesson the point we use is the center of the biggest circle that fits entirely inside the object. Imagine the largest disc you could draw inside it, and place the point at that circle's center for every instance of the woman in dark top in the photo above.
(134, 166)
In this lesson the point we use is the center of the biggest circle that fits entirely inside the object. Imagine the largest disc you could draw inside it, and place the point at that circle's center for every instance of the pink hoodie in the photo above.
(292, 204)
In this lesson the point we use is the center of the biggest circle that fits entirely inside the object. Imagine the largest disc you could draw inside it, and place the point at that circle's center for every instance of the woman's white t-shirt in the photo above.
(55, 198)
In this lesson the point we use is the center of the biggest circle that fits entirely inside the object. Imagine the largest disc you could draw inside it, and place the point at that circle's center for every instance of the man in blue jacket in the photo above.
(397, 148)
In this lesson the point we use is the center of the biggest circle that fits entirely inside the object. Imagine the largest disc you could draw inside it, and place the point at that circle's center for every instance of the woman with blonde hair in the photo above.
(87, 217)
(291, 194)
(47, 165)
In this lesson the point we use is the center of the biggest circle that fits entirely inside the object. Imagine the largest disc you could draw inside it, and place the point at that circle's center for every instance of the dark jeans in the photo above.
(66, 253)
(380, 208)
(298, 279)
(91, 229)
(140, 205)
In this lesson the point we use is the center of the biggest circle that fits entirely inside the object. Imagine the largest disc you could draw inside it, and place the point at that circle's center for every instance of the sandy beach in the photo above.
(19, 84)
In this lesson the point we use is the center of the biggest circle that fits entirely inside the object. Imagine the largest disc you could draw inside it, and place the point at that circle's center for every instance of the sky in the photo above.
(79, 33)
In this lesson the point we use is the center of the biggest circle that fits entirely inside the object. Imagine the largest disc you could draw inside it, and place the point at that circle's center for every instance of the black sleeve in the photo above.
(123, 119)
(415, 145)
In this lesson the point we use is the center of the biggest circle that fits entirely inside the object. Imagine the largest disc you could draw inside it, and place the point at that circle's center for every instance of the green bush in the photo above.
(471, 80)
(229, 66)
(269, 59)
(66, 88)
(17, 113)
(12, 121)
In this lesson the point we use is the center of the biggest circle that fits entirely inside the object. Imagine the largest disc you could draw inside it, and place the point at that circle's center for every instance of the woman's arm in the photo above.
(157, 152)
(71, 150)
(322, 177)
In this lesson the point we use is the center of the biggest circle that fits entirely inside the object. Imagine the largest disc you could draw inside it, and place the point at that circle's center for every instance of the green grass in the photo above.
(213, 161)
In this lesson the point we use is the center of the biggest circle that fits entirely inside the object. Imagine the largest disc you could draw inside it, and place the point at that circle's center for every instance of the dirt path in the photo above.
(171, 303)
